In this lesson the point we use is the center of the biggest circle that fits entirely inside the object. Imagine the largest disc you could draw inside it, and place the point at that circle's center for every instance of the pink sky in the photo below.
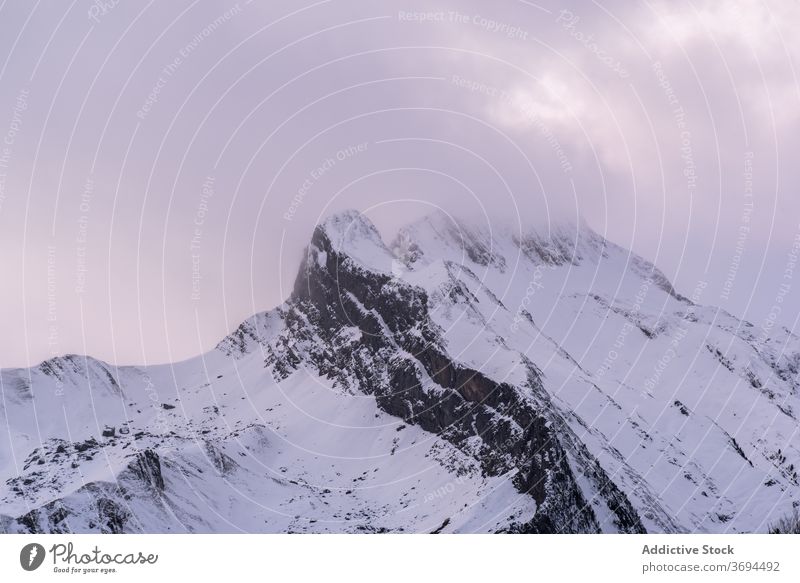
(162, 165)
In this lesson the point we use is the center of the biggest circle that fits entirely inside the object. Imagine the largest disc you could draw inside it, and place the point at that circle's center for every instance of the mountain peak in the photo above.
(348, 223)
(495, 377)
(441, 235)
(352, 235)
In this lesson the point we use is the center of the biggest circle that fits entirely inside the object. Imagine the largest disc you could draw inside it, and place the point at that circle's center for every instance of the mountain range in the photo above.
(458, 379)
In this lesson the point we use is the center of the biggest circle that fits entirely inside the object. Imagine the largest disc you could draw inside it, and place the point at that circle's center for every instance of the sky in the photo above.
(163, 164)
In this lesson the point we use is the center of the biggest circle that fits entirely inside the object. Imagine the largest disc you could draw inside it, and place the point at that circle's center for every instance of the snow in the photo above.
(612, 303)
(690, 414)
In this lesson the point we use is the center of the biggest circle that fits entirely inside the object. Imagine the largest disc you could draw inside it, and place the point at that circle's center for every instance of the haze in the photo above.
(163, 164)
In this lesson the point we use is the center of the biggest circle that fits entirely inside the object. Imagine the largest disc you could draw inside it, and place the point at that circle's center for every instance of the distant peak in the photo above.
(488, 226)
(441, 235)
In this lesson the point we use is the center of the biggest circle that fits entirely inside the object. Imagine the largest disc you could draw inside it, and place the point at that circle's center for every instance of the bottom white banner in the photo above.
(355, 558)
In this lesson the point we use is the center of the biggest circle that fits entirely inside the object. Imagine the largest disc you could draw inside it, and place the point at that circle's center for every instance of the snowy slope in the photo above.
(458, 379)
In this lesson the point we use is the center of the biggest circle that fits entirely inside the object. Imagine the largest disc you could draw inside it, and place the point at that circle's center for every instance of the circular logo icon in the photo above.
(31, 556)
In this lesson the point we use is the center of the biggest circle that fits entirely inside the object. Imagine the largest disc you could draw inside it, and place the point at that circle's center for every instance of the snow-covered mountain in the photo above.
(455, 380)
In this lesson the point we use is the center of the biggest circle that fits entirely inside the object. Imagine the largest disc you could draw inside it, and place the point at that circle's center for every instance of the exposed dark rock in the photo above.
(87, 445)
(147, 467)
(682, 408)
(332, 292)
(112, 517)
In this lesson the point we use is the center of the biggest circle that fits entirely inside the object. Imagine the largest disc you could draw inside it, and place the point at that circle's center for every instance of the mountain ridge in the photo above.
(492, 351)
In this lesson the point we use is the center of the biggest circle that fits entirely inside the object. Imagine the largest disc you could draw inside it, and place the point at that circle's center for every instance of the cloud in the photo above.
(638, 116)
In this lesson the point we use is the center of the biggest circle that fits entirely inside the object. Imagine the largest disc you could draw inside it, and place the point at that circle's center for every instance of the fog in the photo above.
(164, 164)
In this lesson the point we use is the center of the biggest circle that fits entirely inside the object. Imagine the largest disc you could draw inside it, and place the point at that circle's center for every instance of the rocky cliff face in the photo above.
(458, 380)
(397, 353)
